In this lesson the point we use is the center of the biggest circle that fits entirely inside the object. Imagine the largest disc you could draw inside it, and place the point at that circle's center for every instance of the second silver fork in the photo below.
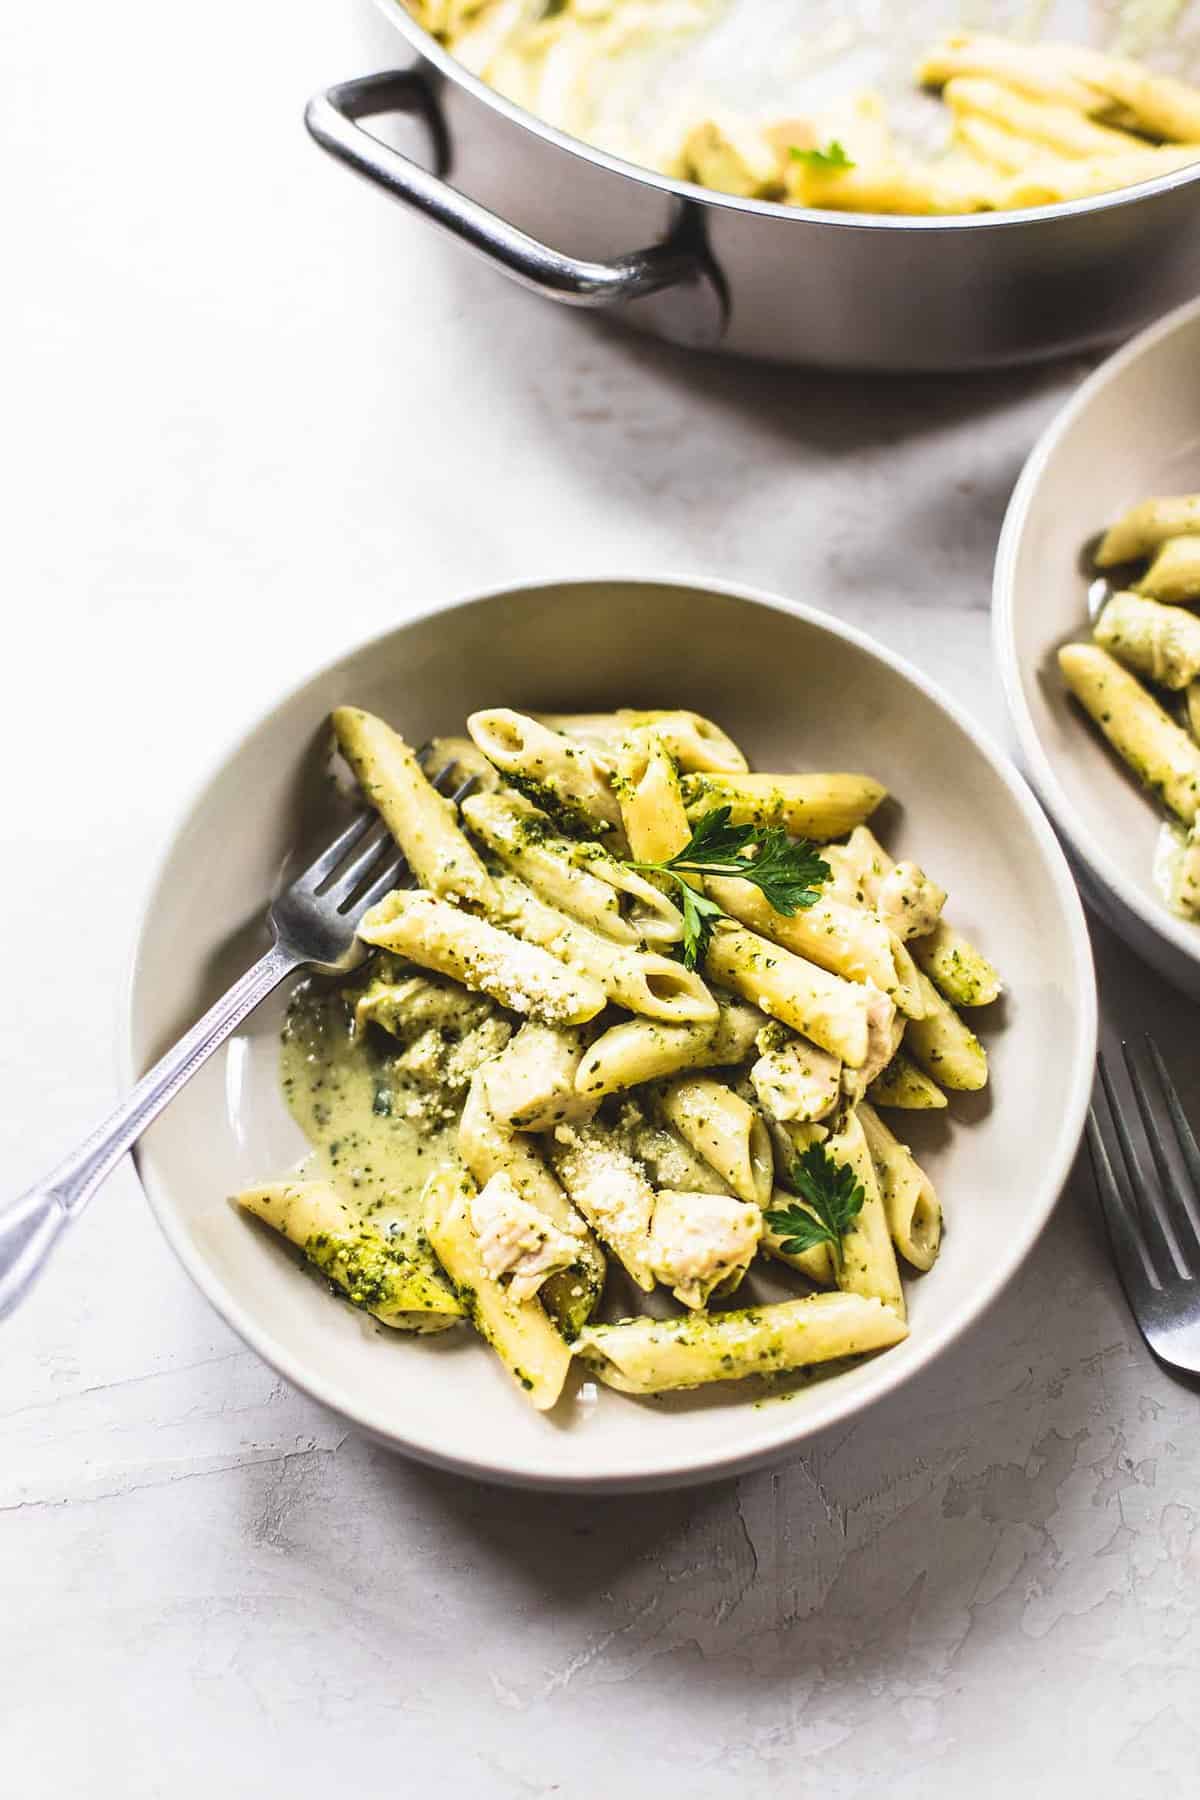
(1147, 1167)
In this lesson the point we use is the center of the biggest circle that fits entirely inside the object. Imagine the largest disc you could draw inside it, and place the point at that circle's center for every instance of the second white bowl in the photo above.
(1132, 430)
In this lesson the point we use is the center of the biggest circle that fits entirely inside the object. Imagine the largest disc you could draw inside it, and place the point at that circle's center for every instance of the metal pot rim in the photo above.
(433, 52)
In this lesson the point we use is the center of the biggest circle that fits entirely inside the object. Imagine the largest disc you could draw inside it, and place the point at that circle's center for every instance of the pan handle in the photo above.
(695, 312)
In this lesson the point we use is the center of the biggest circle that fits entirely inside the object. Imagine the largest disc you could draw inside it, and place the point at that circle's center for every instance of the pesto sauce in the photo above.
(367, 1120)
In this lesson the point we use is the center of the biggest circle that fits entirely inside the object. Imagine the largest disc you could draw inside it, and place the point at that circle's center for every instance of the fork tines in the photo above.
(1147, 1168)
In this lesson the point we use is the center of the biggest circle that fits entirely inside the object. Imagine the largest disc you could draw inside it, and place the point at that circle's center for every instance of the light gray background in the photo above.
(253, 411)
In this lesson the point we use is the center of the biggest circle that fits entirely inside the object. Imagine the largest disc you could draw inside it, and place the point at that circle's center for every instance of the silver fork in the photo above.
(1147, 1168)
(313, 924)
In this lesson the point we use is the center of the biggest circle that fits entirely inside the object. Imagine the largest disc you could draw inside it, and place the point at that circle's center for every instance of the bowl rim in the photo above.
(428, 47)
(1158, 920)
(795, 1427)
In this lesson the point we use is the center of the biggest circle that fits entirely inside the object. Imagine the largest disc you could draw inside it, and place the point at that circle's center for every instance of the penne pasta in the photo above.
(580, 879)
(907, 1087)
(655, 986)
(720, 1126)
(1174, 575)
(1160, 754)
(647, 788)
(1061, 129)
(558, 773)
(642, 1050)
(867, 1264)
(521, 976)
(1145, 528)
(846, 940)
(422, 821)
(867, 875)
(910, 1204)
(813, 806)
(849, 1019)
(691, 740)
(946, 1049)
(649, 1356)
(1160, 642)
(518, 1331)
(394, 1279)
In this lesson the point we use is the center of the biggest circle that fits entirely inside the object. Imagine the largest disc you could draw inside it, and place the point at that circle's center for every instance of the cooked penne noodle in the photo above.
(1160, 642)
(1145, 528)
(558, 772)
(1061, 128)
(531, 1084)
(650, 1356)
(693, 741)
(521, 976)
(843, 939)
(466, 760)
(1193, 709)
(734, 156)
(647, 787)
(1156, 104)
(701, 1244)
(905, 1086)
(655, 986)
(1160, 754)
(864, 871)
(867, 1264)
(488, 1147)
(942, 1045)
(612, 1192)
(724, 1130)
(641, 1050)
(960, 972)
(813, 806)
(995, 145)
(579, 879)
(1174, 575)
(519, 1332)
(394, 1279)
(909, 1202)
(422, 821)
(847, 1018)
(1032, 69)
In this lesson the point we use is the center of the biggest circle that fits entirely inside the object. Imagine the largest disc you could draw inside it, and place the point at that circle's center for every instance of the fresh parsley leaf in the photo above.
(700, 914)
(827, 161)
(835, 1196)
(788, 871)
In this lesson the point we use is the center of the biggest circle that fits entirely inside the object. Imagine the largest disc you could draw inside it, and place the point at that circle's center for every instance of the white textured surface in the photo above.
(254, 411)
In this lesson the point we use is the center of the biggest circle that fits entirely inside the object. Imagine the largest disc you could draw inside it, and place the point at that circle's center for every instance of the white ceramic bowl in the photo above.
(797, 689)
(1132, 430)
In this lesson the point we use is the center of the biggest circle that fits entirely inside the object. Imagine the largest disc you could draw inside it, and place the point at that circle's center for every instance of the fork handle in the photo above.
(31, 1225)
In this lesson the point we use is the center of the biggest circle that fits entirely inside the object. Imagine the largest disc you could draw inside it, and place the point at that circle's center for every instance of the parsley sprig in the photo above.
(833, 1193)
(788, 871)
(827, 161)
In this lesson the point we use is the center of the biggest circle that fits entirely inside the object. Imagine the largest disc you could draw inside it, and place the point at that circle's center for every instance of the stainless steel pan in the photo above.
(753, 278)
